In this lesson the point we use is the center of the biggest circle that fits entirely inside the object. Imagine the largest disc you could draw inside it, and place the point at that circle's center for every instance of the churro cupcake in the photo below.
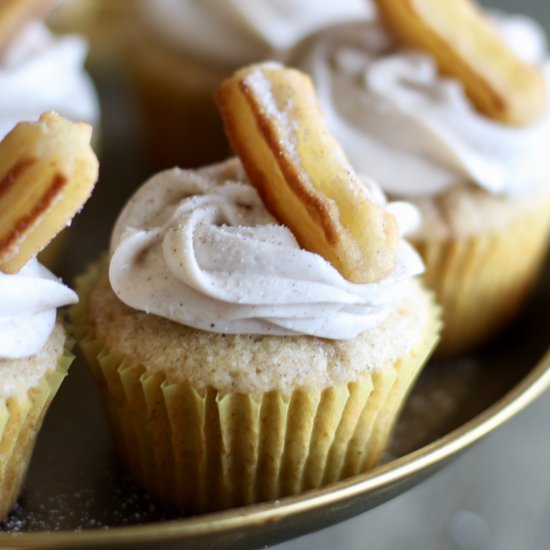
(103, 23)
(478, 172)
(237, 365)
(70, 16)
(47, 170)
(39, 73)
(179, 51)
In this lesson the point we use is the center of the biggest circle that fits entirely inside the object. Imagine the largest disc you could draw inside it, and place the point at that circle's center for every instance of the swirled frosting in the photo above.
(200, 248)
(235, 32)
(40, 73)
(28, 303)
(414, 131)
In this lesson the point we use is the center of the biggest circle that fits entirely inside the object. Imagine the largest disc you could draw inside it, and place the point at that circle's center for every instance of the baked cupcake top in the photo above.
(415, 131)
(203, 249)
(258, 254)
(235, 32)
(39, 73)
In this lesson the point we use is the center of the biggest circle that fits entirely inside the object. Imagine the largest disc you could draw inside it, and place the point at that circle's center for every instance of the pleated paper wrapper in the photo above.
(203, 450)
(21, 417)
(481, 281)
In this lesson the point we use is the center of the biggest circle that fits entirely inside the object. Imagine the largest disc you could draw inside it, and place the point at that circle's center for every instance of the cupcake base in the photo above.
(204, 449)
(482, 278)
(21, 418)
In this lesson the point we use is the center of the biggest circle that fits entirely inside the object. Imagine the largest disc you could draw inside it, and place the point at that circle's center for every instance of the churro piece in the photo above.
(456, 33)
(275, 125)
(47, 171)
(16, 13)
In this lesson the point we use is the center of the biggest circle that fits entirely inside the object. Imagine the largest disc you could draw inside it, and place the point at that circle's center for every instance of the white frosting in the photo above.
(200, 248)
(236, 32)
(416, 132)
(28, 303)
(40, 73)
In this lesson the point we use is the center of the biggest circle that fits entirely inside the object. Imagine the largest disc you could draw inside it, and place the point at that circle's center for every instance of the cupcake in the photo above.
(69, 16)
(236, 365)
(47, 170)
(102, 22)
(482, 183)
(179, 51)
(40, 73)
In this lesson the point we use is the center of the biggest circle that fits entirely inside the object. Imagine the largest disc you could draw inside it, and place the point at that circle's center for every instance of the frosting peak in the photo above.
(413, 130)
(41, 73)
(200, 248)
(28, 303)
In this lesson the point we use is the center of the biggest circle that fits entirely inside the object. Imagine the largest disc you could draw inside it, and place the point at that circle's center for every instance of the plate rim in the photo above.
(525, 392)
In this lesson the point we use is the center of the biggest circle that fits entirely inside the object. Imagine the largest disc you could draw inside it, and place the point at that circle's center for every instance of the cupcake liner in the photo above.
(21, 417)
(481, 281)
(203, 450)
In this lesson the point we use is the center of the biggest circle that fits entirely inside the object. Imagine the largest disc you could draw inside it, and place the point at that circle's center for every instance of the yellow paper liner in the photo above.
(21, 417)
(202, 450)
(481, 281)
